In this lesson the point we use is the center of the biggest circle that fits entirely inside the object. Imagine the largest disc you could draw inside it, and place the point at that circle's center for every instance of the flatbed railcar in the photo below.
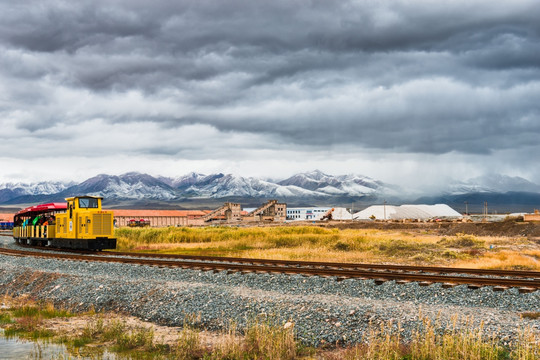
(80, 223)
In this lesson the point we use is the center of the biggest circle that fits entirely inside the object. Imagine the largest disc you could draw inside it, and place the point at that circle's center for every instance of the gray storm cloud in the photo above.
(399, 76)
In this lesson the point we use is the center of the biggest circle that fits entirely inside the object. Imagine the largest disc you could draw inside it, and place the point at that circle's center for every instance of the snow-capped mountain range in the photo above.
(307, 186)
(137, 186)
(493, 183)
(9, 191)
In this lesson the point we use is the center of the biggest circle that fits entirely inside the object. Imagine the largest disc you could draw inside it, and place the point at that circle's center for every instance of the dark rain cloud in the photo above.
(403, 76)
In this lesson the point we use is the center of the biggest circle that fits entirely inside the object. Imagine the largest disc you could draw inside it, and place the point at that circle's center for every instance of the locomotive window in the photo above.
(88, 203)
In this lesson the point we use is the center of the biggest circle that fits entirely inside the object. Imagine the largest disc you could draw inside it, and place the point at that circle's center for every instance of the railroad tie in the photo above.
(448, 285)
(474, 286)
(402, 281)
(526, 290)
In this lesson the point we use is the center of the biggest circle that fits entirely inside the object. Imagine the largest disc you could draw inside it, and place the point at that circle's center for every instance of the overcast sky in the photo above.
(402, 91)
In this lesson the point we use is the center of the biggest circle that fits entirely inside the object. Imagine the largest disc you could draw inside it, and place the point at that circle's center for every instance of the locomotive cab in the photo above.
(85, 225)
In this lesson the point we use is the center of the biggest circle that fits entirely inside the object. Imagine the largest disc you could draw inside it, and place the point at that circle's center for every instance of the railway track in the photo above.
(525, 281)
(315, 264)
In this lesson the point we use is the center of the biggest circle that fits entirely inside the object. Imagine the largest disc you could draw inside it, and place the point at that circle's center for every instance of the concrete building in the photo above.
(307, 213)
(228, 212)
(269, 211)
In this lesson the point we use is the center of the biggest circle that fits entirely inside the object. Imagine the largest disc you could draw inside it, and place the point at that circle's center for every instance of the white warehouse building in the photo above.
(336, 213)
(419, 212)
(314, 213)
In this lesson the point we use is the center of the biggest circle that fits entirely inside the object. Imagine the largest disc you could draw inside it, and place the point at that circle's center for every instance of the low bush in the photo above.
(462, 241)
(189, 345)
(400, 248)
(5, 319)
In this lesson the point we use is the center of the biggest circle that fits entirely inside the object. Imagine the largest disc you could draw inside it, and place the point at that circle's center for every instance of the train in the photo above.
(79, 223)
(6, 225)
(138, 223)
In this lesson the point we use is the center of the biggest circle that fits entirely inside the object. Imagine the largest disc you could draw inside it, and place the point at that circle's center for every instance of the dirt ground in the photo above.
(166, 335)
(504, 228)
(75, 325)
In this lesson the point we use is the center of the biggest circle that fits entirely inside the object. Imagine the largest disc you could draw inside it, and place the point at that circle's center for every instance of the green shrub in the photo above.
(189, 345)
(449, 254)
(403, 248)
(5, 319)
(342, 246)
(141, 337)
(462, 241)
(265, 340)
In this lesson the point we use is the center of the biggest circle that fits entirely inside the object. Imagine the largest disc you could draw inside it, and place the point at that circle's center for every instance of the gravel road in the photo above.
(322, 310)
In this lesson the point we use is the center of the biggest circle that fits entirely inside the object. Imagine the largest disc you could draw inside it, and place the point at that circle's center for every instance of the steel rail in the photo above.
(315, 264)
(309, 271)
(340, 265)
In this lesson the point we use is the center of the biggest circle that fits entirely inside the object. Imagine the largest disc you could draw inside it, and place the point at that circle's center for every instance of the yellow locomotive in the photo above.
(78, 224)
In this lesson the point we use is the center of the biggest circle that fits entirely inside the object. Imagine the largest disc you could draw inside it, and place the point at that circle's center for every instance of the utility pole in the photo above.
(384, 207)
(352, 210)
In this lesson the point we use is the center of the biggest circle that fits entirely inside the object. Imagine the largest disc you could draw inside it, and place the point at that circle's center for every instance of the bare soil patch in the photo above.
(503, 228)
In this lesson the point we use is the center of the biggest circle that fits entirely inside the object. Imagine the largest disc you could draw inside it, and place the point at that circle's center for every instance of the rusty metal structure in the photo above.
(272, 210)
(228, 213)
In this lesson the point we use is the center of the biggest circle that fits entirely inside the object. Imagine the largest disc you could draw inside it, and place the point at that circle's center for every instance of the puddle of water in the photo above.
(16, 348)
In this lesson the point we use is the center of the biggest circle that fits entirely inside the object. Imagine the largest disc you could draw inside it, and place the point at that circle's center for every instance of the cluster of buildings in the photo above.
(274, 211)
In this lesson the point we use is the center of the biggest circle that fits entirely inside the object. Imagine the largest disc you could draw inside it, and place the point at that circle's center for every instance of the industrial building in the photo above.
(301, 213)
(272, 210)
(229, 212)
(318, 213)
(6, 217)
(413, 212)
(532, 217)
(337, 213)
(160, 218)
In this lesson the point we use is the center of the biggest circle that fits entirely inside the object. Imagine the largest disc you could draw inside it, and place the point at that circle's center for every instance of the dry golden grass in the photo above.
(330, 244)
(456, 340)
(505, 259)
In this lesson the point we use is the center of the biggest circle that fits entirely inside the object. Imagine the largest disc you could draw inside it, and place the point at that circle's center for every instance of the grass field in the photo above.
(332, 244)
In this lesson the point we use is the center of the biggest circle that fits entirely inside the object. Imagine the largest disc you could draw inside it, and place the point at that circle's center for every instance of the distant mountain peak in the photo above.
(305, 187)
(493, 183)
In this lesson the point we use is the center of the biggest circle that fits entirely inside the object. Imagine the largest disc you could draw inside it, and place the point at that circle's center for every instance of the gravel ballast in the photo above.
(322, 310)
